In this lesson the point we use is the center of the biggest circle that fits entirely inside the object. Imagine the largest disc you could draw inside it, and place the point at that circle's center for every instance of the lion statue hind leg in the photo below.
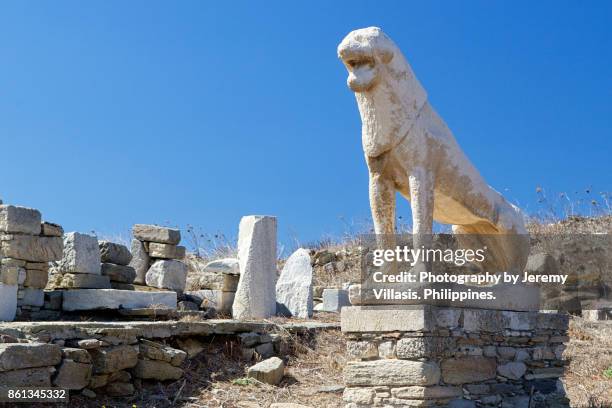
(506, 251)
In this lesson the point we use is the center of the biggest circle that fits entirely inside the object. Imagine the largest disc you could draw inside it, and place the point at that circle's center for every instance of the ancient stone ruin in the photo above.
(27, 247)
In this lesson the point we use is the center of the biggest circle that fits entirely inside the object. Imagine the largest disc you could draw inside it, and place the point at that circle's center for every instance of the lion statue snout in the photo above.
(362, 52)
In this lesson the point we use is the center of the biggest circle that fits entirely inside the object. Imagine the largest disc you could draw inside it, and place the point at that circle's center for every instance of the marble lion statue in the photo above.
(409, 149)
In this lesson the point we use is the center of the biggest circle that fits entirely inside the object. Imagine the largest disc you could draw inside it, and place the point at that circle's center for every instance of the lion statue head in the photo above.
(388, 94)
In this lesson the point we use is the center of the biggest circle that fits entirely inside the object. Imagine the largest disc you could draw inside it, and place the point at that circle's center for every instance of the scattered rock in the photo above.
(270, 371)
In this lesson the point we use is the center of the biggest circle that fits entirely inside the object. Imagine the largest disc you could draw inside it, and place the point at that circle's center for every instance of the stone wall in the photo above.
(430, 356)
(116, 358)
(27, 245)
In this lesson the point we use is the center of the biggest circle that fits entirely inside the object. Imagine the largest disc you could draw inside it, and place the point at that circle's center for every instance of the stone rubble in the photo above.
(270, 371)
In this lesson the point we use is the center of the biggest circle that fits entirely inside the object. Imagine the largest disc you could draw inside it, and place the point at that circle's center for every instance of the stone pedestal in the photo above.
(416, 356)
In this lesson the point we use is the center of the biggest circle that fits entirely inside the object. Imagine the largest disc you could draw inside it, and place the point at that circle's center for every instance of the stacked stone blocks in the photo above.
(428, 356)
(156, 255)
(27, 245)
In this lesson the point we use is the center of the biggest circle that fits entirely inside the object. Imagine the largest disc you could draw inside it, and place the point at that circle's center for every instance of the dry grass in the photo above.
(590, 354)
(216, 378)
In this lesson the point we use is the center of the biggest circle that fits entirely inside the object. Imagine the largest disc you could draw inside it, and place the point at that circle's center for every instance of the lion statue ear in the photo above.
(385, 55)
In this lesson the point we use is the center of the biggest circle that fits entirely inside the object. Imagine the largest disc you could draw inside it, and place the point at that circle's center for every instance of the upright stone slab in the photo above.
(294, 286)
(8, 302)
(140, 261)
(81, 254)
(256, 293)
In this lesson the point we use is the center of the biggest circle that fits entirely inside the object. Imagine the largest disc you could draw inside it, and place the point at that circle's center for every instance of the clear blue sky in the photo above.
(196, 112)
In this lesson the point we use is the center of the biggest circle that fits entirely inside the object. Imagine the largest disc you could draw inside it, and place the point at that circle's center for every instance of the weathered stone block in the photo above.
(114, 253)
(157, 370)
(362, 396)
(36, 278)
(29, 377)
(468, 369)
(14, 219)
(81, 254)
(154, 233)
(76, 354)
(140, 261)
(422, 347)
(157, 351)
(270, 371)
(72, 375)
(386, 318)
(391, 373)
(512, 370)
(168, 274)
(256, 293)
(84, 281)
(50, 229)
(335, 299)
(219, 300)
(166, 251)
(119, 273)
(435, 392)
(229, 266)
(9, 275)
(92, 299)
(16, 356)
(294, 286)
(33, 248)
(32, 297)
(110, 359)
(361, 350)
